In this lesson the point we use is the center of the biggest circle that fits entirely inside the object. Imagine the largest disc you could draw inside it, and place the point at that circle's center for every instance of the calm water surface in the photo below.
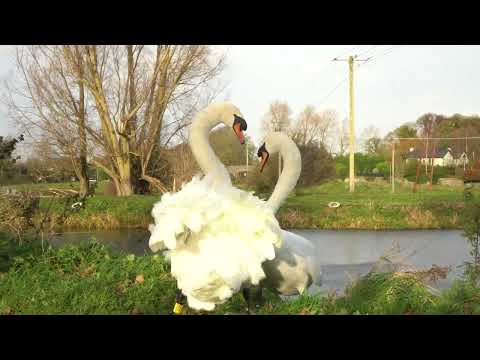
(341, 255)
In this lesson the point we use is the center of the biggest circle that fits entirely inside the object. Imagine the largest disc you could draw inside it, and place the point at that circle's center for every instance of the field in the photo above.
(372, 206)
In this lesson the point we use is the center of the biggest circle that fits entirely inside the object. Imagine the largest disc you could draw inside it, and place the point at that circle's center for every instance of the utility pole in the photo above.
(351, 61)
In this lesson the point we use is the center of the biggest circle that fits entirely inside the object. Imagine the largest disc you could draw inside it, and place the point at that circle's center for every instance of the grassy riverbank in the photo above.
(371, 207)
(90, 279)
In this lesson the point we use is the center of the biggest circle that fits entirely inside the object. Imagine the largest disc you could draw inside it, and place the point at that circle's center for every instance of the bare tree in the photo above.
(134, 88)
(47, 102)
(426, 126)
(277, 118)
(315, 126)
(343, 137)
(370, 139)
(47, 163)
(141, 97)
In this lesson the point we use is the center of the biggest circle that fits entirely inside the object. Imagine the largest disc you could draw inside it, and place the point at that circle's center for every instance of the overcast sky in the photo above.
(399, 84)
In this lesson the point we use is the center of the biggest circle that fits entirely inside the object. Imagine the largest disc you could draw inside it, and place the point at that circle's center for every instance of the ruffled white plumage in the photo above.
(217, 238)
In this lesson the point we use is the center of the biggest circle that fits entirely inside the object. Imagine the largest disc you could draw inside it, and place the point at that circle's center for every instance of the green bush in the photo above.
(383, 168)
(410, 172)
(364, 163)
(461, 298)
(341, 170)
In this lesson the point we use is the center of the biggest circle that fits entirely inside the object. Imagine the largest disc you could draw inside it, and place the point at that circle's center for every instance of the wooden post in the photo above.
(433, 164)
(393, 167)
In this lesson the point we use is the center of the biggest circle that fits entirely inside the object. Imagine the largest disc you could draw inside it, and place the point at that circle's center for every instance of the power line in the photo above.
(331, 92)
(386, 52)
(389, 50)
(370, 49)
(327, 67)
(442, 138)
(350, 50)
(358, 65)
(343, 53)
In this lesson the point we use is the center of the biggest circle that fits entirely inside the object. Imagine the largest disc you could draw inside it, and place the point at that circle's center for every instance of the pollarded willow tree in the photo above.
(140, 97)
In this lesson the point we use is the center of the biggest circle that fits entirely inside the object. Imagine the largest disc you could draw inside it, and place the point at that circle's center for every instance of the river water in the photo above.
(341, 255)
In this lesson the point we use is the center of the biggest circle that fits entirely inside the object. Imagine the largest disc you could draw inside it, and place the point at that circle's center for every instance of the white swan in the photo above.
(293, 269)
(216, 236)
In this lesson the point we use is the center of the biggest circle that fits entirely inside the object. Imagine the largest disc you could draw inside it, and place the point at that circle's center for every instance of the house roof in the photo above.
(420, 154)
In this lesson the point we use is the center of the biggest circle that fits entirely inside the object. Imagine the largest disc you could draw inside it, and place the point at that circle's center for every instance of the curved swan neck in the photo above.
(290, 174)
(199, 142)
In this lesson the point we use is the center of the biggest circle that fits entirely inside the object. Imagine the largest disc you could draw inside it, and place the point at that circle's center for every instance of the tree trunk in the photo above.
(155, 183)
(135, 164)
(417, 176)
(124, 187)
(84, 186)
(83, 176)
(82, 133)
(124, 182)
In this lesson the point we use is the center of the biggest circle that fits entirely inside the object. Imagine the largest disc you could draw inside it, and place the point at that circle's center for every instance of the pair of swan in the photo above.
(219, 238)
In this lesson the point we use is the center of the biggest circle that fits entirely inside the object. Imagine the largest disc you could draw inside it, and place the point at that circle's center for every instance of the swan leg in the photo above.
(179, 303)
(252, 297)
(246, 292)
(258, 297)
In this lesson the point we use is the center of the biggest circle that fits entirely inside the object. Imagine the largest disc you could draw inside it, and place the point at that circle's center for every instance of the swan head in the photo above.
(239, 126)
(231, 116)
(263, 156)
(270, 146)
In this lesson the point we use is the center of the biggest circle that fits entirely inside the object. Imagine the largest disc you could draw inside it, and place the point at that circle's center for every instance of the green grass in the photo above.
(86, 280)
(107, 212)
(372, 206)
(90, 279)
(42, 187)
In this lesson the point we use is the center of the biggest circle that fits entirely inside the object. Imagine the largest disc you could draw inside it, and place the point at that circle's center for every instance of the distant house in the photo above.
(442, 157)
(463, 159)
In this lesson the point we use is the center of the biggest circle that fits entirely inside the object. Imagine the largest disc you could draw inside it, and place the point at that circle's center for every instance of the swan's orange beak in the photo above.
(264, 160)
(238, 131)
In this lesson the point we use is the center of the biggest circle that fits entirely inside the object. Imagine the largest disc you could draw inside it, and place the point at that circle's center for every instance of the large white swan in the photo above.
(216, 236)
(293, 269)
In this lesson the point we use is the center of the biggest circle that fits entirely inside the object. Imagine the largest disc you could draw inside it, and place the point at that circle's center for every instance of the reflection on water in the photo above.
(341, 255)
(349, 254)
(131, 241)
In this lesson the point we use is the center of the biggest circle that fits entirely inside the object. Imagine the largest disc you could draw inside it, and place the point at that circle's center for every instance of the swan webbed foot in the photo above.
(180, 301)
